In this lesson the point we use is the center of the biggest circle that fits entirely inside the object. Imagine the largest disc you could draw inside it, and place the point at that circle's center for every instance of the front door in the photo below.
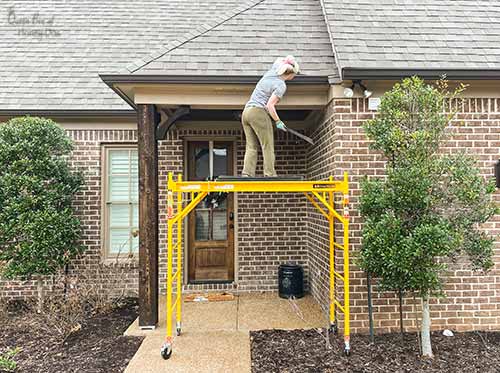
(211, 223)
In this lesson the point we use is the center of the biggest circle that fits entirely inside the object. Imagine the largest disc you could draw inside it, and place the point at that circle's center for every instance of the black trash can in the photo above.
(290, 281)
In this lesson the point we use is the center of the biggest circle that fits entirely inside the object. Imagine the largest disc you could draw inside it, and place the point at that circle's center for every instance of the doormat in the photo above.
(209, 297)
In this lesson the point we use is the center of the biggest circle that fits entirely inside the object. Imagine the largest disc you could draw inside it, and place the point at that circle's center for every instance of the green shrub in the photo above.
(428, 209)
(39, 232)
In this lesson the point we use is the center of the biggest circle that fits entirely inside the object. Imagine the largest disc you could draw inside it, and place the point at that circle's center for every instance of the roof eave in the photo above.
(112, 79)
(353, 73)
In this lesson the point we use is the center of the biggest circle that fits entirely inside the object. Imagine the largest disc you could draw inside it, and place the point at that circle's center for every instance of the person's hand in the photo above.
(280, 125)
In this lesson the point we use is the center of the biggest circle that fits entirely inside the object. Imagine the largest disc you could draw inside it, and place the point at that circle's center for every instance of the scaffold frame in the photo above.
(321, 194)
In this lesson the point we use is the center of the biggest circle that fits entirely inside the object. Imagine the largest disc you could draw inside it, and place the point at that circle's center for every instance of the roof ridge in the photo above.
(330, 35)
(191, 35)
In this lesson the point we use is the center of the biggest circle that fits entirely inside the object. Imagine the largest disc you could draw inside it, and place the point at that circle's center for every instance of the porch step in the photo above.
(216, 287)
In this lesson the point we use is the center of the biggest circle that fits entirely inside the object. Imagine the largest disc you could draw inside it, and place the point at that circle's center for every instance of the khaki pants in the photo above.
(258, 128)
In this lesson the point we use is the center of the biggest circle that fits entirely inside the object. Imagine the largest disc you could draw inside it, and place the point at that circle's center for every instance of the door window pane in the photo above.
(201, 160)
(220, 161)
(202, 225)
(219, 224)
(210, 218)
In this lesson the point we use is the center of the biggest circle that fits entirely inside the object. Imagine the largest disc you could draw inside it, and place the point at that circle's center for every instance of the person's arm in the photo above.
(271, 108)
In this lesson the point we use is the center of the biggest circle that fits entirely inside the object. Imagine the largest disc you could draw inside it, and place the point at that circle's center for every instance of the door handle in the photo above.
(231, 226)
(231, 216)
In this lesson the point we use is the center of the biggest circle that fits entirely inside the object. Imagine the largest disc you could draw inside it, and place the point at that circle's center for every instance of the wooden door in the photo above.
(211, 223)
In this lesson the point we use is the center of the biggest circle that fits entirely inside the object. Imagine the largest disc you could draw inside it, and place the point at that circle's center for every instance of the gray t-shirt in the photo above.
(270, 83)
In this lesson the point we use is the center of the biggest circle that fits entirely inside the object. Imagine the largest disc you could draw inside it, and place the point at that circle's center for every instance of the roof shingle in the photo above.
(249, 40)
(60, 72)
(227, 37)
(426, 34)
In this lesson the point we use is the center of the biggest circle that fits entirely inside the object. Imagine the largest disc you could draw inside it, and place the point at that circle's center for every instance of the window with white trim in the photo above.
(120, 193)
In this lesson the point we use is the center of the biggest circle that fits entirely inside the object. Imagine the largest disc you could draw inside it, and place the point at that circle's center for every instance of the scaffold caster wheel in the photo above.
(166, 351)
(178, 331)
(334, 329)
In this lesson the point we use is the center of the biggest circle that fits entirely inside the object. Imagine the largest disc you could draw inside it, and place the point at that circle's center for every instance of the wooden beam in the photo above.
(168, 121)
(237, 115)
(148, 216)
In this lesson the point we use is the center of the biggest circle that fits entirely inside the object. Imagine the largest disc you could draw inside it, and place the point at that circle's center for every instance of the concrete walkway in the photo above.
(215, 335)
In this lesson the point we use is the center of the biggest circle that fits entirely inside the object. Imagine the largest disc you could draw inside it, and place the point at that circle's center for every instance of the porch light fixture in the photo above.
(349, 91)
(366, 92)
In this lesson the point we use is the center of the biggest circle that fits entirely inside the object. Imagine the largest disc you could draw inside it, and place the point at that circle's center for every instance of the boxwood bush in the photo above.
(39, 232)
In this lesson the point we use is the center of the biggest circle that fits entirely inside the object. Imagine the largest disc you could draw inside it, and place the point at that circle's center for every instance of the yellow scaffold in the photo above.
(319, 193)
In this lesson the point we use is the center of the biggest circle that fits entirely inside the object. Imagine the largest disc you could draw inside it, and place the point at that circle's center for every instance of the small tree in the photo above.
(428, 208)
(39, 232)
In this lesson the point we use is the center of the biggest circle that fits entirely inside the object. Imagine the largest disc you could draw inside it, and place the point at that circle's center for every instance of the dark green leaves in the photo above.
(430, 205)
(38, 230)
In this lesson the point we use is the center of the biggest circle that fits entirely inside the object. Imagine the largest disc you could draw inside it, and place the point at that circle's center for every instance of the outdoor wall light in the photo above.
(349, 91)
(366, 92)
(497, 173)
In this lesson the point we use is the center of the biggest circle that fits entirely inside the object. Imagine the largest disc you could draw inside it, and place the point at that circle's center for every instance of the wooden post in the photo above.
(148, 216)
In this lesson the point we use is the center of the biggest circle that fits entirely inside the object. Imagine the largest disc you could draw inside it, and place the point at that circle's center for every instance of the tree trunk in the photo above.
(426, 328)
(39, 288)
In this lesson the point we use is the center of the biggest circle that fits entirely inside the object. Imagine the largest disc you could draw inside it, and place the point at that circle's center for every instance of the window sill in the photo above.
(132, 261)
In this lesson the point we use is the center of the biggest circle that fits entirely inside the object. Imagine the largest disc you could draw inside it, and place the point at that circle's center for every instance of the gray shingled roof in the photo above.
(248, 41)
(228, 37)
(427, 34)
(99, 37)
(61, 72)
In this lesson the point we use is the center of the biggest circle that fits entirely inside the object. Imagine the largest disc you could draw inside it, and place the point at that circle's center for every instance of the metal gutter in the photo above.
(352, 73)
(123, 95)
(111, 79)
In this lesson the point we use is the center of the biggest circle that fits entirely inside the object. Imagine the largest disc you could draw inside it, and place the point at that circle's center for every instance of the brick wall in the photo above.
(320, 165)
(275, 227)
(473, 300)
(271, 227)
(86, 157)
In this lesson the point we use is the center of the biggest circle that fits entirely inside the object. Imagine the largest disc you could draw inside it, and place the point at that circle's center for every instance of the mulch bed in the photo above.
(305, 351)
(98, 347)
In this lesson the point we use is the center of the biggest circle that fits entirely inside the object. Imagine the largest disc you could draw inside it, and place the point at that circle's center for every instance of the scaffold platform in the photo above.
(321, 194)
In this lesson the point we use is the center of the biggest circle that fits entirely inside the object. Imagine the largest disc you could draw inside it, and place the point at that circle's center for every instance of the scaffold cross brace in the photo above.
(320, 193)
